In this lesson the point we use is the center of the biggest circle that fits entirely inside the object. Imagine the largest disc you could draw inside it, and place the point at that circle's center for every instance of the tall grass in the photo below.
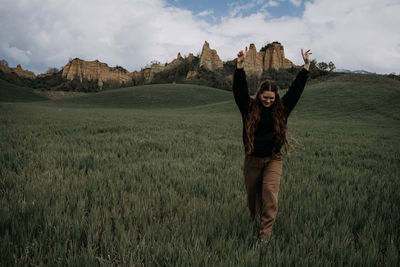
(86, 185)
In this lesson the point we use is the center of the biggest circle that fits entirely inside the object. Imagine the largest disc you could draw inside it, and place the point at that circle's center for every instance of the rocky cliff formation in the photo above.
(209, 58)
(275, 57)
(156, 68)
(182, 68)
(101, 72)
(146, 76)
(95, 71)
(253, 63)
(24, 73)
(4, 68)
(272, 57)
(19, 71)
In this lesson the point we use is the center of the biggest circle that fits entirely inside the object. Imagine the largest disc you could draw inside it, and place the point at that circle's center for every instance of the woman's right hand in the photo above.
(240, 58)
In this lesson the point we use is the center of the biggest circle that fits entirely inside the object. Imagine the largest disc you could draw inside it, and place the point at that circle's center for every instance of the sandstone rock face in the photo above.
(19, 71)
(178, 57)
(209, 58)
(148, 74)
(100, 84)
(253, 63)
(95, 71)
(23, 73)
(191, 74)
(272, 56)
(179, 60)
(190, 58)
(5, 68)
(138, 77)
(275, 57)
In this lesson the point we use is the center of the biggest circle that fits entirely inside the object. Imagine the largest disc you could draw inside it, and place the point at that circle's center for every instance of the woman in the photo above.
(264, 133)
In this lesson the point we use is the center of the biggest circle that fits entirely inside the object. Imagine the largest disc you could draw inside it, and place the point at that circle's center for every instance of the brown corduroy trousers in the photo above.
(262, 178)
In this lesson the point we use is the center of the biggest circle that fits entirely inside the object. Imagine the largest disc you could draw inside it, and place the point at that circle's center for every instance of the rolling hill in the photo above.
(347, 95)
(151, 96)
(352, 95)
(13, 93)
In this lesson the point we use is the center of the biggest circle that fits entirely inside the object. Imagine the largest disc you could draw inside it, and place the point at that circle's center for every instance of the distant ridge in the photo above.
(353, 71)
(206, 69)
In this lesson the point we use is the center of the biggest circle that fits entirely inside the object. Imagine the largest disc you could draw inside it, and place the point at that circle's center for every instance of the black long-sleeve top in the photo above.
(264, 136)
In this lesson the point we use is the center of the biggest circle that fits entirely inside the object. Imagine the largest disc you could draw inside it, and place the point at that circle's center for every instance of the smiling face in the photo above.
(267, 98)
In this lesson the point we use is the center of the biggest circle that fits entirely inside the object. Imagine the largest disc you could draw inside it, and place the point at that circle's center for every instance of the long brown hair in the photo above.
(278, 116)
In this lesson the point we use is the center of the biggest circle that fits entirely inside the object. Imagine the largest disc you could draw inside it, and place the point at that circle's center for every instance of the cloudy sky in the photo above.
(354, 34)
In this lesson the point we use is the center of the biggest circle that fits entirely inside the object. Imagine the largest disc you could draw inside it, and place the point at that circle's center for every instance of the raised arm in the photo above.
(239, 88)
(292, 96)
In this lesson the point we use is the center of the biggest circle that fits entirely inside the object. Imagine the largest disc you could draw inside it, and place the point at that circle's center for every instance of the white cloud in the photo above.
(273, 3)
(127, 33)
(236, 8)
(206, 13)
(353, 34)
(358, 34)
(295, 2)
(265, 6)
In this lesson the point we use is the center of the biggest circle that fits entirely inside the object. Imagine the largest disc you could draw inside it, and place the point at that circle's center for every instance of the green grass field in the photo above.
(151, 175)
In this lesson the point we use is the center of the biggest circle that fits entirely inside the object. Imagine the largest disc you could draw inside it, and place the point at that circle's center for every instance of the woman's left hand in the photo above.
(306, 58)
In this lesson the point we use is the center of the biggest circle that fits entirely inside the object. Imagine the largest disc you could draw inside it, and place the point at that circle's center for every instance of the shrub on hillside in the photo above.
(176, 74)
(13, 78)
(217, 79)
(48, 82)
(283, 77)
(393, 76)
(230, 66)
(320, 69)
